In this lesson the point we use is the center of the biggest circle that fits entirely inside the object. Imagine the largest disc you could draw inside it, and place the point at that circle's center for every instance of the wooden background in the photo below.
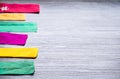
(76, 40)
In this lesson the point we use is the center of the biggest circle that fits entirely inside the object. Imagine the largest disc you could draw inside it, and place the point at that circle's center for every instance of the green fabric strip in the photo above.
(17, 68)
(6, 26)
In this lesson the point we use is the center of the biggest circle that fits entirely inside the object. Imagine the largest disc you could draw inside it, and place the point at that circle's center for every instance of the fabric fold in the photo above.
(19, 8)
(12, 17)
(6, 26)
(19, 52)
(17, 68)
(13, 39)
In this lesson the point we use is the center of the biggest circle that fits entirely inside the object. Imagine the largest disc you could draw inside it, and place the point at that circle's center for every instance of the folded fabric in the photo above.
(13, 39)
(19, 52)
(17, 68)
(18, 26)
(12, 16)
(19, 8)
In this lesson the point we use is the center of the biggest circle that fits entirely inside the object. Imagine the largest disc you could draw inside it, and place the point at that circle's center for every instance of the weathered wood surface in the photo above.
(76, 40)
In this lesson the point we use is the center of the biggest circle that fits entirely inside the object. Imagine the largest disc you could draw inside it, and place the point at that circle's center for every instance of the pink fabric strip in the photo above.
(13, 39)
(19, 8)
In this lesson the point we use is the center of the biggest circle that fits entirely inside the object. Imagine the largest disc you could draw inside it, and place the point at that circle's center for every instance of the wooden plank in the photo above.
(76, 40)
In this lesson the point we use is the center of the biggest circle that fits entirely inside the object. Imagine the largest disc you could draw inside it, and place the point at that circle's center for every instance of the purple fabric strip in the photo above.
(13, 39)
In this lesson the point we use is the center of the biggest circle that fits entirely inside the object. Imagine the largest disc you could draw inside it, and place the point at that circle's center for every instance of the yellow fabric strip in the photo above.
(12, 16)
(19, 52)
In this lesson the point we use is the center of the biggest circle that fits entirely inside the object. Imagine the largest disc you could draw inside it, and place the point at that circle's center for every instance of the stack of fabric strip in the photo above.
(11, 20)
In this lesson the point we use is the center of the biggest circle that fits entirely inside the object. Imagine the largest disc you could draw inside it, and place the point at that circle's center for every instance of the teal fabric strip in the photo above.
(17, 68)
(6, 26)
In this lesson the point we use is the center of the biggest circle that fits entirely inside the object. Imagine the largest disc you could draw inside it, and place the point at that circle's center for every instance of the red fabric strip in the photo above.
(19, 8)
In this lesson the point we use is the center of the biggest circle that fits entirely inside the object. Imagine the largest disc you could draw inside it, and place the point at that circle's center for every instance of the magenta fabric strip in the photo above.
(13, 39)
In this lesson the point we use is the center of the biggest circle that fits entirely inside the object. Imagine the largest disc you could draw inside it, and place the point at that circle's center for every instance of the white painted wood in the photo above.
(76, 40)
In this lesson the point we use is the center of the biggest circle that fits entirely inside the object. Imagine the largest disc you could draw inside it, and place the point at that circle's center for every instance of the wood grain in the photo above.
(76, 40)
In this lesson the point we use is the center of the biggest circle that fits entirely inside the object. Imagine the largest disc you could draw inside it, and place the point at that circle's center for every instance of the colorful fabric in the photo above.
(12, 17)
(17, 68)
(13, 39)
(19, 52)
(19, 8)
(18, 26)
